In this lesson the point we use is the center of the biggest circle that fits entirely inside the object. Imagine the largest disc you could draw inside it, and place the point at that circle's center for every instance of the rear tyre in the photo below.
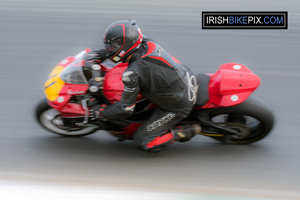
(254, 115)
(50, 119)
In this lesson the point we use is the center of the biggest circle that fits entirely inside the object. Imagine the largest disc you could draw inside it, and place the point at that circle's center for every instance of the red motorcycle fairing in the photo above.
(230, 85)
(113, 86)
(72, 110)
(62, 102)
(68, 90)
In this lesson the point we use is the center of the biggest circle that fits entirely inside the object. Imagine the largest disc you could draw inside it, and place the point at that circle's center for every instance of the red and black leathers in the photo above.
(165, 82)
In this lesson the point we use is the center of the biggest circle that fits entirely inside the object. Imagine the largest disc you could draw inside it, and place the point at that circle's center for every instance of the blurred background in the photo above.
(36, 34)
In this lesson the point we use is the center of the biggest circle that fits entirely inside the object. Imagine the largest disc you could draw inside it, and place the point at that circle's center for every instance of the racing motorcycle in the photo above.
(224, 107)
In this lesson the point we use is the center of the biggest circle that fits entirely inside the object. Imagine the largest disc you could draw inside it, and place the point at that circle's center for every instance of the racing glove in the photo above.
(96, 56)
(95, 113)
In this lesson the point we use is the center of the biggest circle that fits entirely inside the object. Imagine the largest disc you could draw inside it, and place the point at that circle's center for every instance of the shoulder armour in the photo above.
(157, 55)
(130, 78)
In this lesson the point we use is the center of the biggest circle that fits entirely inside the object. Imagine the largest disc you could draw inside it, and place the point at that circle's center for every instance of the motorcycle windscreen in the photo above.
(73, 75)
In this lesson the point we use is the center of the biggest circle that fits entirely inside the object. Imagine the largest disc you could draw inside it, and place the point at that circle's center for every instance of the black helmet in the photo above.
(121, 39)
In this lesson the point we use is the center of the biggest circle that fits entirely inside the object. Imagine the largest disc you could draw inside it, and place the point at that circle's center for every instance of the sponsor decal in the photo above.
(192, 87)
(75, 92)
(244, 20)
(116, 58)
(160, 122)
(121, 53)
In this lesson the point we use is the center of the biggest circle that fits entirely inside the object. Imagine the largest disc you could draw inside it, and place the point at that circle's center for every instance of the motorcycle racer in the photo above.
(158, 76)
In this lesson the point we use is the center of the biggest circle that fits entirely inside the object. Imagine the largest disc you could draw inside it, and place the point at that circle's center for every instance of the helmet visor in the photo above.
(113, 47)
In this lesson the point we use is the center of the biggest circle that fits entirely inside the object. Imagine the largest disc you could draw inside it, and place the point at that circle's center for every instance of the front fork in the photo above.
(86, 111)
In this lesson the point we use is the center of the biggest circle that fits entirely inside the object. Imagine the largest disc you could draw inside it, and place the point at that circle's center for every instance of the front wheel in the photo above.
(51, 120)
(253, 116)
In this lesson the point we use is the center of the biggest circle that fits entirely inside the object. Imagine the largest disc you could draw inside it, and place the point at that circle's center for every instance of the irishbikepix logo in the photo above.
(244, 20)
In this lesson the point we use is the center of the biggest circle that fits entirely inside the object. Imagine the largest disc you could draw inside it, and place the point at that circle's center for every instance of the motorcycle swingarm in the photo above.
(213, 128)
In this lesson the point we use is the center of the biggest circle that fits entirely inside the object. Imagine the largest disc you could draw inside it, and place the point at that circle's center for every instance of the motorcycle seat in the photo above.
(203, 92)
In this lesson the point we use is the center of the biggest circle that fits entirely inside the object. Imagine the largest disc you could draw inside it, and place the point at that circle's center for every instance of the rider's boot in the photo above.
(186, 132)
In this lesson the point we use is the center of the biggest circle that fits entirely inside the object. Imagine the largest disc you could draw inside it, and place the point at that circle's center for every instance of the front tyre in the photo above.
(254, 114)
(51, 120)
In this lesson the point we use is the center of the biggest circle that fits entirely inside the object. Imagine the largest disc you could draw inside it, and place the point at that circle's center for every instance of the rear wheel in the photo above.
(253, 119)
(51, 120)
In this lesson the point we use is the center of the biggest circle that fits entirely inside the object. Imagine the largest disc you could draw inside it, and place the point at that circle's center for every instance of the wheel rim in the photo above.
(48, 117)
(254, 125)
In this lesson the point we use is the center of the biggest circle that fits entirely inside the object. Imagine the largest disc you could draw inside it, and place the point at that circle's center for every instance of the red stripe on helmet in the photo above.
(151, 48)
(161, 59)
(137, 43)
(160, 140)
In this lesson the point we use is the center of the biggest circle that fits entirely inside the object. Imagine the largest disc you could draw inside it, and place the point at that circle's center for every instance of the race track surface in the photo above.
(35, 35)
